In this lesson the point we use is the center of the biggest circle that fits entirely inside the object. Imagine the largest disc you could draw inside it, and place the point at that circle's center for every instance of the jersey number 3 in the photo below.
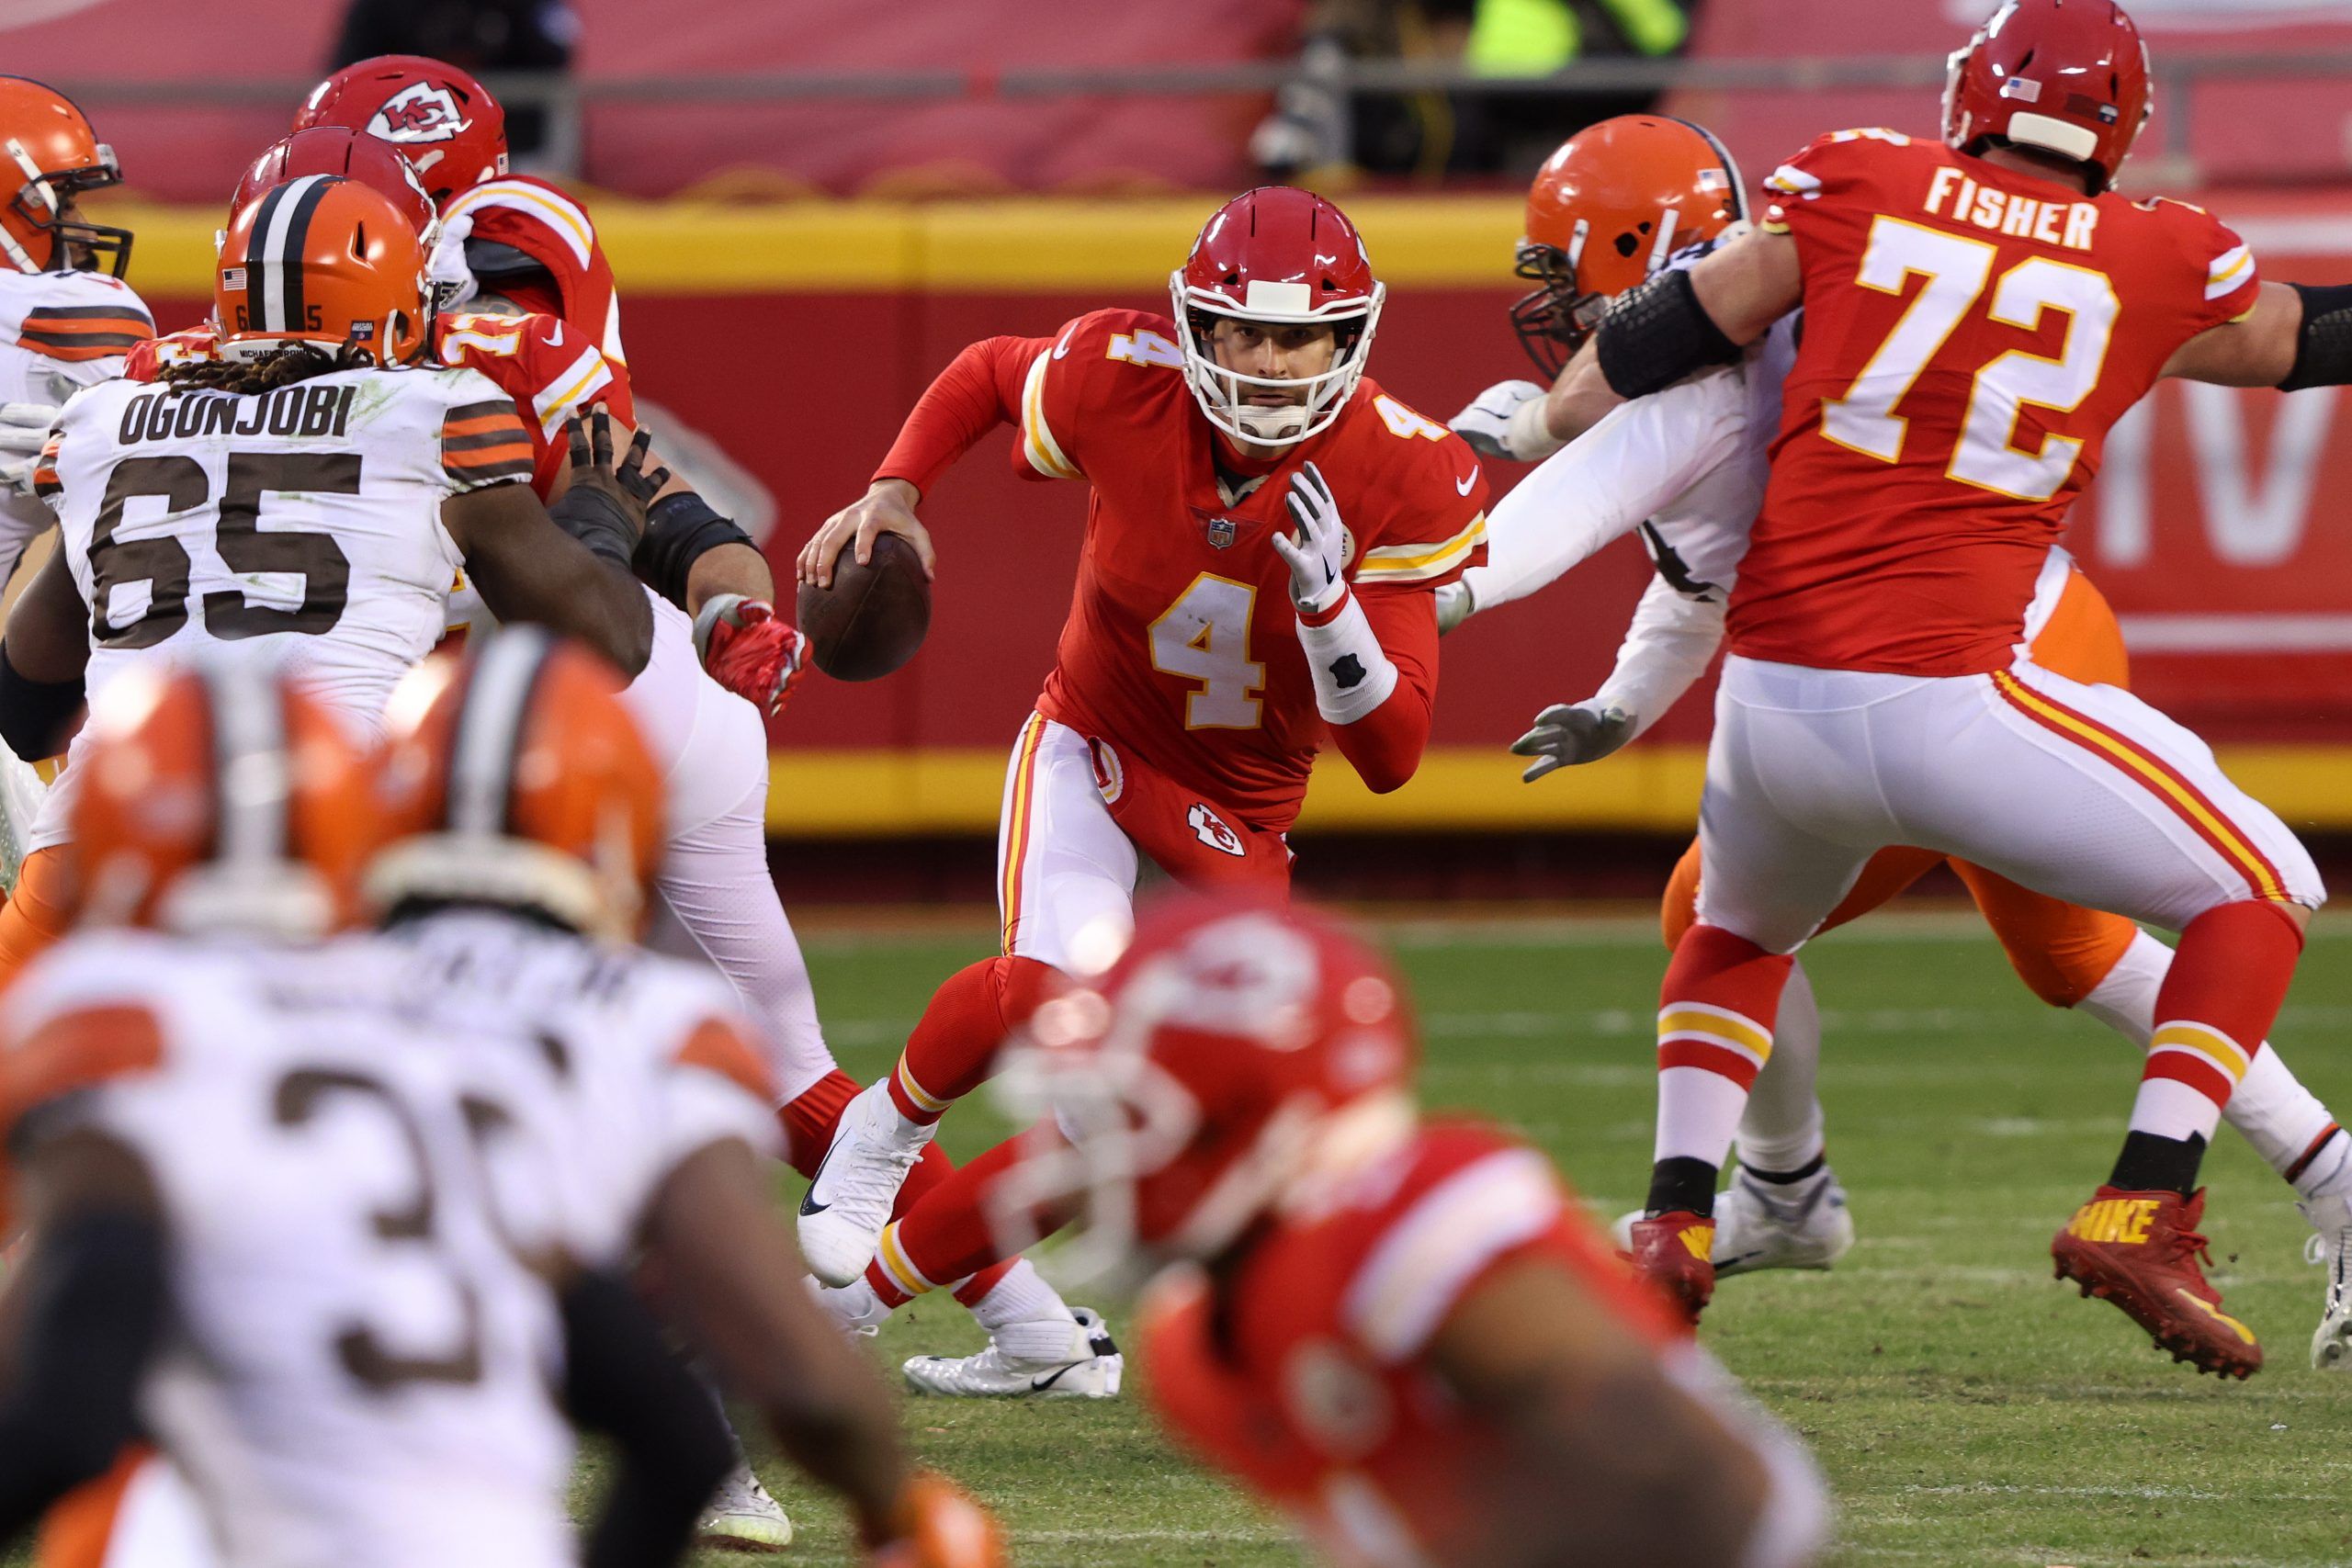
(1204, 637)
(1955, 270)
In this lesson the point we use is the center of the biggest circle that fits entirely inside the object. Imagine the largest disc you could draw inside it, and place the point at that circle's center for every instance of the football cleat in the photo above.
(1672, 1251)
(854, 1308)
(1023, 1361)
(743, 1516)
(2141, 1251)
(1760, 1225)
(2330, 1219)
(850, 1197)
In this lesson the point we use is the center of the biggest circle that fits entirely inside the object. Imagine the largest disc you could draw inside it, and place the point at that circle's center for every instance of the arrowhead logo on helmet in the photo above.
(420, 112)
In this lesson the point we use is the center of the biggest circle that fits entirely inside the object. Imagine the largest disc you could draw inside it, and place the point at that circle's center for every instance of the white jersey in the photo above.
(60, 331)
(304, 521)
(363, 1187)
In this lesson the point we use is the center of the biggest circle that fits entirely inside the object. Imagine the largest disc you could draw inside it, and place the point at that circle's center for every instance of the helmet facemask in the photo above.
(75, 244)
(1223, 395)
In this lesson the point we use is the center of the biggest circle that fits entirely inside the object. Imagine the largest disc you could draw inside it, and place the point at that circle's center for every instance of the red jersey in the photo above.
(1970, 335)
(1307, 1380)
(549, 370)
(555, 231)
(1182, 645)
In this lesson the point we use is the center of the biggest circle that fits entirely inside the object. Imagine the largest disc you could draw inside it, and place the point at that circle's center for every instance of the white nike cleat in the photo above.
(743, 1518)
(856, 1309)
(849, 1199)
(1757, 1227)
(2331, 1218)
(1054, 1358)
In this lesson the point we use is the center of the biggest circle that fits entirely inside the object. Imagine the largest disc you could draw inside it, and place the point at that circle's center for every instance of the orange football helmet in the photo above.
(325, 260)
(1606, 210)
(218, 796)
(57, 156)
(517, 777)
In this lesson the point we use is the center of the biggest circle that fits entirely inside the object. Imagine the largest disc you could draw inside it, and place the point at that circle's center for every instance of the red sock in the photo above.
(1716, 1011)
(808, 1122)
(974, 1291)
(948, 1235)
(2218, 1001)
(954, 1045)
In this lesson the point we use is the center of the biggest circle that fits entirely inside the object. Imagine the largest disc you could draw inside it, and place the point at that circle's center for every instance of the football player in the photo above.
(1685, 471)
(515, 244)
(64, 323)
(557, 1097)
(717, 897)
(1398, 1331)
(210, 1118)
(1266, 529)
(1874, 628)
(381, 474)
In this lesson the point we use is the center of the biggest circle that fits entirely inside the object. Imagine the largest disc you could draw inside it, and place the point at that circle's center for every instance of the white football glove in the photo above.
(1567, 735)
(1507, 421)
(1454, 605)
(24, 431)
(1321, 548)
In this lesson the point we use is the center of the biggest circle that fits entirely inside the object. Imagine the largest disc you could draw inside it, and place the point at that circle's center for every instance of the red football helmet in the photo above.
(339, 150)
(2065, 76)
(1237, 1058)
(446, 122)
(1608, 209)
(1284, 255)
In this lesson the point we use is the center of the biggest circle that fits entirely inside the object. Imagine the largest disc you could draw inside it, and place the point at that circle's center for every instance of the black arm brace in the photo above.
(679, 531)
(2324, 347)
(1656, 334)
(35, 715)
(599, 520)
(95, 1318)
(620, 1379)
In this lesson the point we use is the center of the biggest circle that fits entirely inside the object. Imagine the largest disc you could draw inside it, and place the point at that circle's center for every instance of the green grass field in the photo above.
(1968, 1409)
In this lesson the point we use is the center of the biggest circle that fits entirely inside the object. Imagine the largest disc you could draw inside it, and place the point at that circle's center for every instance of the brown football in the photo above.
(873, 617)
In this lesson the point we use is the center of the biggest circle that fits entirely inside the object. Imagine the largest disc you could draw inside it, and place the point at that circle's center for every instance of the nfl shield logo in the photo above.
(1220, 531)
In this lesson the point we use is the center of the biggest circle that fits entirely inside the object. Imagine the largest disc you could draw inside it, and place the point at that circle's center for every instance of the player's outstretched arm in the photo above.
(2297, 335)
(1666, 648)
(94, 1307)
(738, 1281)
(981, 388)
(42, 656)
(1603, 1458)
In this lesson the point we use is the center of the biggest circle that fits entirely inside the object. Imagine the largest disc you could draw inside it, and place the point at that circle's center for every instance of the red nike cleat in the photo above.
(1671, 1251)
(2139, 1250)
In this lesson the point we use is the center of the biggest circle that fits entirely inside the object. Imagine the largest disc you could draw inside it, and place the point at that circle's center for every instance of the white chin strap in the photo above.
(1315, 401)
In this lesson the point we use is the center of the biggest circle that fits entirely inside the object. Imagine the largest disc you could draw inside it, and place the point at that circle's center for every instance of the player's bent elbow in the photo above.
(626, 637)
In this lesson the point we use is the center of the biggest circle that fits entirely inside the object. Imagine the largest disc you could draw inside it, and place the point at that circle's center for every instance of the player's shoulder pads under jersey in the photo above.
(538, 360)
(1470, 1195)
(99, 1008)
(552, 229)
(2212, 251)
(1410, 491)
(1106, 370)
(1837, 165)
(73, 327)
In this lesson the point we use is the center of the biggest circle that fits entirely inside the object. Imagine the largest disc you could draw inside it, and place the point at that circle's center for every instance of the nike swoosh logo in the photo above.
(2218, 1315)
(1040, 1385)
(814, 1176)
(555, 338)
(1462, 486)
(1063, 348)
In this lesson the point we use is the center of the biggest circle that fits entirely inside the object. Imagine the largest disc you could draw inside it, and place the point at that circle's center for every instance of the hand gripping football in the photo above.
(873, 617)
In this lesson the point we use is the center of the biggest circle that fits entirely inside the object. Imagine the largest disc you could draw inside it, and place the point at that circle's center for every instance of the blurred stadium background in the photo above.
(811, 206)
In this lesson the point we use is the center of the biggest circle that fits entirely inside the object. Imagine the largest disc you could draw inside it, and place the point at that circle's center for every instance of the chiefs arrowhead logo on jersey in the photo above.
(1210, 828)
(420, 112)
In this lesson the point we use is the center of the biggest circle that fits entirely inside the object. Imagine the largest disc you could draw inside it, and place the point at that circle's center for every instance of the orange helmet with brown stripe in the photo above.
(325, 260)
(1610, 207)
(218, 796)
(49, 155)
(516, 777)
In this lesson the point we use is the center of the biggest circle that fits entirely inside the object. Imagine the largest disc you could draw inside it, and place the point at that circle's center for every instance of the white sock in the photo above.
(2270, 1108)
(1024, 1315)
(1781, 1128)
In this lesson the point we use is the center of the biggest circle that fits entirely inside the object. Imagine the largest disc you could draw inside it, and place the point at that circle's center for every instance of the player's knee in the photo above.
(1022, 984)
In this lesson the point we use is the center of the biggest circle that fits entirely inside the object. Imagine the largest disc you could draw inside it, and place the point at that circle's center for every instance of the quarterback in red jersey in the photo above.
(1977, 315)
(1265, 533)
(1400, 1332)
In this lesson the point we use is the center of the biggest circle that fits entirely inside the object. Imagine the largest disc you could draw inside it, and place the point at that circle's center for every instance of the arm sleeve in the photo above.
(1666, 648)
(1385, 744)
(982, 387)
(1600, 487)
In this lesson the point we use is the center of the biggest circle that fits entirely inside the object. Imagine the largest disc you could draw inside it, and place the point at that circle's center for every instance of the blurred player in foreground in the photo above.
(260, 1228)
(1264, 531)
(1398, 1331)
(1685, 470)
(593, 1102)
(1875, 693)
